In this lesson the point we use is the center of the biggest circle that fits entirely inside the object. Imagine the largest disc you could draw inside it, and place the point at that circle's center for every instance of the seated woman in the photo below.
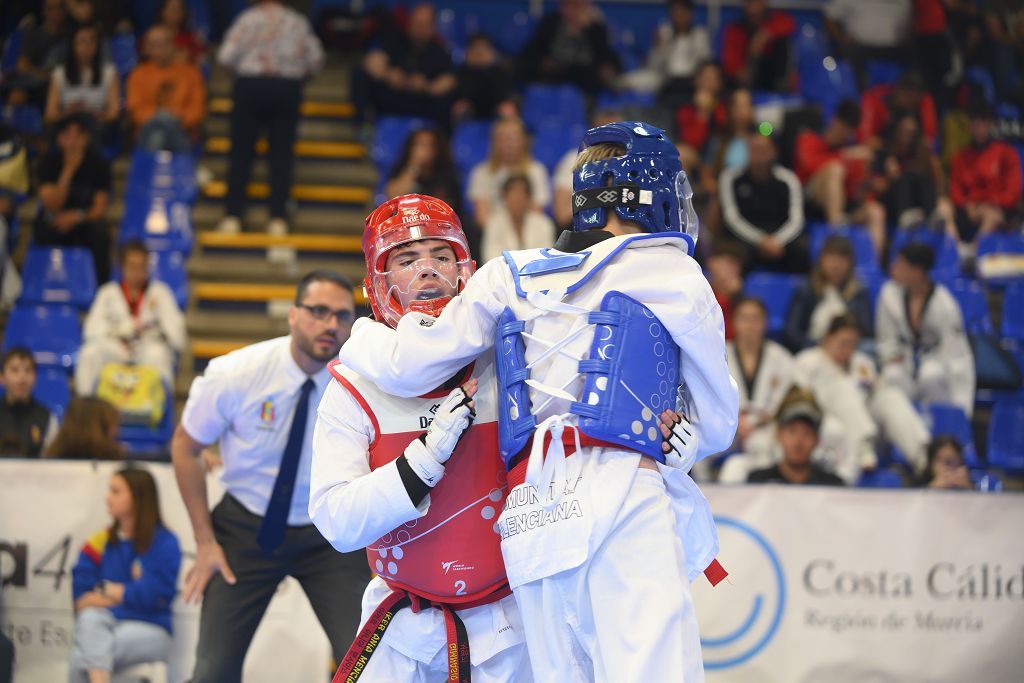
(425, 166)
(509, 155)
(124, 584)
(832, 289)
(88, 432)
(946, 468)
(517, 224)
(763, 371)
(189, 45)
(85, 82)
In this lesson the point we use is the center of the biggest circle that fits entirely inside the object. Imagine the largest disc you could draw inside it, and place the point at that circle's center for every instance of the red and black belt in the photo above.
(353, 664)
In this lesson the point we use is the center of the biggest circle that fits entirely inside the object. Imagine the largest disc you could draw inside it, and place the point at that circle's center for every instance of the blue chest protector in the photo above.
(631, 376)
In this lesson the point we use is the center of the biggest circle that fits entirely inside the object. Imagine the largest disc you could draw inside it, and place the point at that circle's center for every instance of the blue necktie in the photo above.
(275, 521)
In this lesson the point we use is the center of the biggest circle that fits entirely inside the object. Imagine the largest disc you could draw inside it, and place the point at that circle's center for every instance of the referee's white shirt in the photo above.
(246, 400)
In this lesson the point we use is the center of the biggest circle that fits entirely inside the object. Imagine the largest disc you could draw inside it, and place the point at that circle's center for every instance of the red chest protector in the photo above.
(452, 554)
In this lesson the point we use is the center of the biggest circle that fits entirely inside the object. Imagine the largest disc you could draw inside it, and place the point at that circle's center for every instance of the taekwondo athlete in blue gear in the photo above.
(595, 336)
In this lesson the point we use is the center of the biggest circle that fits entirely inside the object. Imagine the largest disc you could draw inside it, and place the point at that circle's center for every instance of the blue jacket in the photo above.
(149, 579)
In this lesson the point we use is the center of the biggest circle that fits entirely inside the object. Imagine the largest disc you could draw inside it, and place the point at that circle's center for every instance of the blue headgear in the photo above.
(647, 185)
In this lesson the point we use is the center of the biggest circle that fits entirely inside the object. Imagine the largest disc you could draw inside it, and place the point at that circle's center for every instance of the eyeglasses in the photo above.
(343, 316)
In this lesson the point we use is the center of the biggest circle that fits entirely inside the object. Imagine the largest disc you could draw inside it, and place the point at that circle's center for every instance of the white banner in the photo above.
(49, 508)
(825, 586)
(861, 586)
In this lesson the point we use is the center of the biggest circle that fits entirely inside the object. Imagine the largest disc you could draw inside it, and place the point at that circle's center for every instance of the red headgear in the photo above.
(410, 218)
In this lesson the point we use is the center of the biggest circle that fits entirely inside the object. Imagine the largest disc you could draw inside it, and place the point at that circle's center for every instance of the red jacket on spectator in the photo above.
(736, 39)
(991, 174)
(812, 152)
(929, 17)
(874, 114)
(695, 127)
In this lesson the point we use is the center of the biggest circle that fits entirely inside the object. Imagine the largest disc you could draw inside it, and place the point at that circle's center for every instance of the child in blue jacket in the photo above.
(124, 584)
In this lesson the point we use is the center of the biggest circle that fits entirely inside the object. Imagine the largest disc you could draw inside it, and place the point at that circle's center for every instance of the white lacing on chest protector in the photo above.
(548, 471)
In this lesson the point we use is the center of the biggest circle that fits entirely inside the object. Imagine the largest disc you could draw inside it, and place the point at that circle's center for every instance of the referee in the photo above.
(260, 403)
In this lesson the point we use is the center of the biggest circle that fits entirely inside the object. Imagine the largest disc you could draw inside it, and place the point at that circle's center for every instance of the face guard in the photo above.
(646, 185)
(421, 284)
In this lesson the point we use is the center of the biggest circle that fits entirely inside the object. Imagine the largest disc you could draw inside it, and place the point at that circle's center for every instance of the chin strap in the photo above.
(431, 307)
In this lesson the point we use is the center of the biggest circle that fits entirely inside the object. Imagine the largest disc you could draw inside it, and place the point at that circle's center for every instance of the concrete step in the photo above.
(307, 194)
(331, 84)
(309, 129)
(257, 295)
(311, 107)
(306, 172)
(312, 218)
(203, 267)
(304, 149)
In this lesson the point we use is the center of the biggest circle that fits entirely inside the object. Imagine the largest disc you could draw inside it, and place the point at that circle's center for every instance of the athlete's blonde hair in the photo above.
(602, 150)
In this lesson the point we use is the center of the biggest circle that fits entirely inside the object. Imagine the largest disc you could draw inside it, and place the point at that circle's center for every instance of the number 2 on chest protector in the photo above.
(460, 587)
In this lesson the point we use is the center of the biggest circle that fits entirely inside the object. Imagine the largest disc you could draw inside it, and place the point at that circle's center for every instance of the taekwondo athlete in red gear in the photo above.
(419, 481)
(594, 340)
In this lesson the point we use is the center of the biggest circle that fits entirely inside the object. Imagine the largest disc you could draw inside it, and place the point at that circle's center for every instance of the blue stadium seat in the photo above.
(123, 53)
(981, 77)
(986, 481)
(949, 420)
(162, 225)
(1013, 312)
(1006, 437)
(169, 268)
(26, 119)
(52, 333)
(471, 141)
(551, 143)
(52, 390)
(776, 291)
(865, 261)
(389, 137)
(509, 34)
(993, 245)
(143, 442)
(169, 176)
(58, 275)
(552, 106)
(11, 50)
(882, 72)
(947, 259)
(824, 79)
(881, 478)
(973, 304)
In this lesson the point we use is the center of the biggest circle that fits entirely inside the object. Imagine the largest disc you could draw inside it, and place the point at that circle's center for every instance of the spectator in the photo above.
(271, 49)
(756, 49)
(946, 468)
(516, 224)
(425, 167)
(26, 426)
(411, 74)
(908, 177)
(1004, 41)
(985, 180)
(937, 56)
(679, 50)
(124, 583)
(509, 155)
(729, 147)
(881, 105)
(797, 435)
(136, 320)
(725, 273)
(698, 121)
(85, 83)
(571, 46)
(42, 49)
(166, 99)
(74, 192)
(831, 289)
(763, 371)
(834, 171)
(189, 46)
(483, 84)
(763, 209)
(922, 347)
(87, 432)
(870, 29)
